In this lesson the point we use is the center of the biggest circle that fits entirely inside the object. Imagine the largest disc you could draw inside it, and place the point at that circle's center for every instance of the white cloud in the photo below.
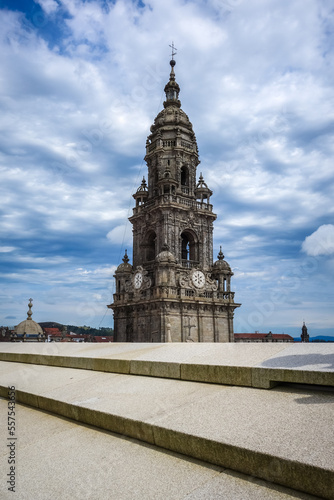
(101, 272)
(121, 235)
(49, 6)
(321, 242)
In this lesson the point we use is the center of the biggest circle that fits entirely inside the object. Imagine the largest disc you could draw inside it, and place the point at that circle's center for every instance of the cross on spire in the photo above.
(29, 311)
(174, 49)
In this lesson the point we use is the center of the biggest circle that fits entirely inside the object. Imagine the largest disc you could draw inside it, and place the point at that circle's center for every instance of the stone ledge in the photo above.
(91, 464)
(266, 378)
(83, 363)
(249, 430)
(247, 376)
(217, 374)
(296, 475)
(289, 473)
(161, 369)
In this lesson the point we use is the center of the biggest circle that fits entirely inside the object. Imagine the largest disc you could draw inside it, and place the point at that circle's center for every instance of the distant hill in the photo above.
(86, 330)
(322, 338)
(51, 324)
(318, 338)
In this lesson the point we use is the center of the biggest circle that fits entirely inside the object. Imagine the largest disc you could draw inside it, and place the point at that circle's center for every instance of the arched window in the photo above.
(185, 247)
(150, 246)
(189, 248)
(184, 176)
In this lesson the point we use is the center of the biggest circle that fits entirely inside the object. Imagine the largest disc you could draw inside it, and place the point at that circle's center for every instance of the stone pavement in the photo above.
(283, 435)
(61, 459)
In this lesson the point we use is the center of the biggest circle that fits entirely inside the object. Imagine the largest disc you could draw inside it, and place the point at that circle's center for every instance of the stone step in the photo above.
(284, 435)
(57, 458)
(249, 365)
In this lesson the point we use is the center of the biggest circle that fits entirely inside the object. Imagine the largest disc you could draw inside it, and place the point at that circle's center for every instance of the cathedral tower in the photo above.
(305, 336)
(173, 291)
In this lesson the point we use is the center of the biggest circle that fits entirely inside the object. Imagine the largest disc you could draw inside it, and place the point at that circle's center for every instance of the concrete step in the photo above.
(284, 435)
(249, 365)
(59, 459)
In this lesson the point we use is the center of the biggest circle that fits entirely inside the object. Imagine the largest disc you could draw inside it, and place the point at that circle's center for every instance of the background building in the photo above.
(262, 337)
(304, 336)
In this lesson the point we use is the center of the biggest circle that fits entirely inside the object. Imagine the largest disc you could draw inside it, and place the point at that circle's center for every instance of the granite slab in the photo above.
(58, 458)
(284, 435)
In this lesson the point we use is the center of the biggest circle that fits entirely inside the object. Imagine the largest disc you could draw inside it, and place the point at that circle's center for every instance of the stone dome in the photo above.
(142, 188)
(29, 326)
(125, 267)
(165, 255)
(171, 116)
(221, 264)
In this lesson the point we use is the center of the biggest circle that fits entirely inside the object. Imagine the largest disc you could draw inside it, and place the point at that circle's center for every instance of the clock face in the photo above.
(138, 280)
(198, 279)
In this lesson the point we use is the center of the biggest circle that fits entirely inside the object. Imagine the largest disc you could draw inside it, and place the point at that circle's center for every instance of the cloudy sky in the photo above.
(80, 85)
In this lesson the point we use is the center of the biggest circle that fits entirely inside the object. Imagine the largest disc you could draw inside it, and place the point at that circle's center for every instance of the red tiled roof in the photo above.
(277, 336)
(51, 331)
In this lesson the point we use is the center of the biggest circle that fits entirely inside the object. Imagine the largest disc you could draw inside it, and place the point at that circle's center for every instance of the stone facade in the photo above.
(173, 292)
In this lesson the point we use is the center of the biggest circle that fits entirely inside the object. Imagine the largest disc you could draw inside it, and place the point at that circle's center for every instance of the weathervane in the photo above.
(174, 49)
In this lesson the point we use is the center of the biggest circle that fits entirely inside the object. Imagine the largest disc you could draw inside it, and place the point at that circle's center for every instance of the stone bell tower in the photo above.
(173, 292)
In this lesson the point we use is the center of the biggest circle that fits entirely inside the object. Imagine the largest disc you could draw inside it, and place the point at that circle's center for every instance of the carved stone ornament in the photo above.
(141, 281)
(211, 284)
(186, 281)
(128, 285)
